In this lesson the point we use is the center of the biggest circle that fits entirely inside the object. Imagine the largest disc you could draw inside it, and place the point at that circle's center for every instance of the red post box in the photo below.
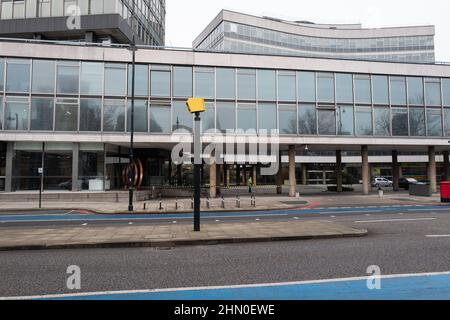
(445, 191)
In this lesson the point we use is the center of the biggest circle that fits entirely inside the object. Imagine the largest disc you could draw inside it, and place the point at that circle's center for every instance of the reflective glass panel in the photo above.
(225, 83)
(398, 91)
(434, 122)
(226, 116)
(307, 121)
(66, 115)
(327, 122)
(91, 115)
(362, 89)
(325, 87)
(67, 79)
(91, 78)
(181, 119)
(288, 119)
(204, 83)
(160, 121)
(115, 79)
(114, 116)
(246, 84)
(2, 74)
(18, 75)
(140, 116)
(43, 76)
(209, 117)
(140, 81)
(417, 122)
(267, 116)
(345, 121)
(160, 83)
(344, 88)
(42, 114)
(400, 122)
(382, 119)
(433, 92)
(415, 91)
(380, 90)
(182, 81)
(307, 86)
(363, 119)
(286, 86)
(447, 122)
(246, 117)
(267, 85)
(16, 114)
(446, 91)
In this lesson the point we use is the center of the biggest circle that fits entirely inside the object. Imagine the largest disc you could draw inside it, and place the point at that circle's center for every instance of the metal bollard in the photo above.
(208, 205)
(223, 203)
(176, 203)
(238, 202)
(192, 204)
(253, 201)
(145, 206)
(160, 204)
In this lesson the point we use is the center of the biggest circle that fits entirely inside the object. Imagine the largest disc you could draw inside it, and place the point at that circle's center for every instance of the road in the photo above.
(401, 240)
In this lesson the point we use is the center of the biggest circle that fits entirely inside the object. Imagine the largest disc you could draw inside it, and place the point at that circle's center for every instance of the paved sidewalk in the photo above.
(172, 235)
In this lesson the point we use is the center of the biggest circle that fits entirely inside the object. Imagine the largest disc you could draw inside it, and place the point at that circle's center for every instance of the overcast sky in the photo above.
(187, 18)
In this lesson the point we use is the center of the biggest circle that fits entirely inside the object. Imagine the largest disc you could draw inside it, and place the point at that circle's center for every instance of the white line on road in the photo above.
(84, 224)
(395, 220)
(438, 236)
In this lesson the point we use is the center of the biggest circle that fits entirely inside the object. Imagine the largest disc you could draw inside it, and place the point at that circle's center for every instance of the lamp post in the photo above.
(133, 50)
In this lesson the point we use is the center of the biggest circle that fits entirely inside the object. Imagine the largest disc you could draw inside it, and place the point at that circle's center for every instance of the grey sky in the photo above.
(187, 18)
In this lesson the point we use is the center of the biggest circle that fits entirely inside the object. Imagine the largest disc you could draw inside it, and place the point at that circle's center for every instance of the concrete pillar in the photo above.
(9, 166)
(395, 170)
(365, 169)
(292, 178)
(339, 171)
(255, 175)
(279, 177)
(432, 169)
(447, 165)
(304, 174)
(227, 175)
(75, 157)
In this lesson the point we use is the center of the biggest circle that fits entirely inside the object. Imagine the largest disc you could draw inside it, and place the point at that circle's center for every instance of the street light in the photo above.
(133, 50)
(197, 106)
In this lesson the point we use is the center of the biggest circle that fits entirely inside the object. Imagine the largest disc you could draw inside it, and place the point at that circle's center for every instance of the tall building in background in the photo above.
(115, 21)
(242, 33)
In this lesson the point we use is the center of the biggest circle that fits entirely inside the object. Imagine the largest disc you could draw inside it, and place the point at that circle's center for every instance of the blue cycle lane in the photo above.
(42, 217)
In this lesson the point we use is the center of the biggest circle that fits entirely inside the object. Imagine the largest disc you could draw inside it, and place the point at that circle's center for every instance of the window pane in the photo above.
(415, 91)
(398, 91)
(400, 122)
(114, 116)
(66, 115)
(140, 116)
(327, 122)
(209, 117)
(204, 83)
(246, 117)
(67, 79)
(43, 76)
(267, 116)
(91, 78)
(434, 122)
(2, 74)
(344, 88)
(246, 84)
(181, 119)
(307, 121)
(42, 114)
(363, 119)
(182, 81)
(288, 119)
(382, 120)
(325, 87)
(16, 114)
(160, 121)
(307, 86)
(266, 85)
(160, 83)
(345, 123)
(446, 91)
(141, 80)
(417, 122)
(226, 116)
(91, 115)
(1, 113)
(380, 90)
(18, 76)
(286, 86)
(115, 79)
(433, 92)
(362, 89)
(226, 84)
(447, 122)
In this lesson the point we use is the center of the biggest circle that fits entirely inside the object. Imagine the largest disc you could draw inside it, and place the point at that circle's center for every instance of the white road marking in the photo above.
(296, 218)
(93, 294)
(130, 223)
(174, 222)
(332, 216)
(438, 236)
(395, 220)
(84, 224)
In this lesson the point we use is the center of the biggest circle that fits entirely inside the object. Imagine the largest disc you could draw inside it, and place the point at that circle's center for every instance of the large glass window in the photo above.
(115, 79)
(91, 78)
(16, 113)
(325, 87)
(67, 78)
(66, 115)
(267, 116)
(417, 122)
(344, 88)
(447, 122)
(1, 112)
(446, 91)
(140, 116)
(181, 119)
(286, 86)
(209, 117)
(160, 121)
(246, 116)
(140, 80)
(226, 116)
(58, 167)
(363, 92)
(267, 85)
(398, 91)
(307, 86)
(2, 74)
(363, 119)
(434, 122)
(288, 119)
(204, 83)
(91, 166)
(327, 121)
(433, 91)
(246, 84)
(307, 121)
(160, 81)
(225, 83)
(415, 91)
(18, 75)
(43, 76)
(182, 81)
(400, 122)
(27, 159)
(345, 121)
(91, 115)
(380, 89)
(382, 119)
(114, 116)
(42, 114)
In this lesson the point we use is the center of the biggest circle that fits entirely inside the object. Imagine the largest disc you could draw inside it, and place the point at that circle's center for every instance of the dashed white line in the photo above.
(84, 224)
(395, 220)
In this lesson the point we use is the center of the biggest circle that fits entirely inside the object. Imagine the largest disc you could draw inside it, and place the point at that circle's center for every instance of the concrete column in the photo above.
(75, 158)
(395, 170)
(238, 174)
(292, 178)
(339, 171)
(432, 169)
(447, 165)
(365, 169)
(255, 175)
(213, 179)
(279, 177)
(9, 166)
(304, 174)
(227, 172)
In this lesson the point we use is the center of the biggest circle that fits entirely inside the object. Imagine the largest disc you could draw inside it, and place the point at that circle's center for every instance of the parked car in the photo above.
(381, 182)
(404, 183)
